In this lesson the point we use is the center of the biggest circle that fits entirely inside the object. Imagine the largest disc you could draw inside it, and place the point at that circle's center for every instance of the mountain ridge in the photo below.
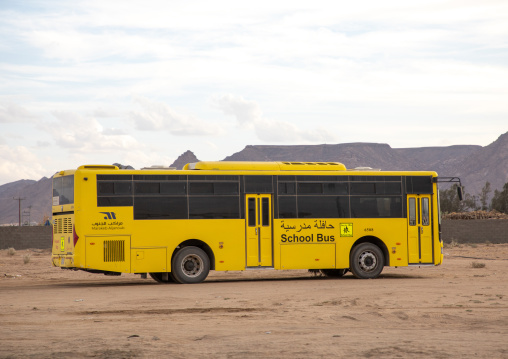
(472, 163)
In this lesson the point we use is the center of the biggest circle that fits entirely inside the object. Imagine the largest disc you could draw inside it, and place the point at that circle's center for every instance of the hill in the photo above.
(490, 163)
(36, 194)
(183, 159)
(473, 164)
(439, 159)
(375, 155)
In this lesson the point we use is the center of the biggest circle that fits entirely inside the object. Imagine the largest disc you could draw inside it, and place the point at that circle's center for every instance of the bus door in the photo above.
(420, 243)
(259, 244)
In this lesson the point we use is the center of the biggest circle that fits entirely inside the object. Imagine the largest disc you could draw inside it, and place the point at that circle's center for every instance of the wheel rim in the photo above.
(367, 261)
(192, 265)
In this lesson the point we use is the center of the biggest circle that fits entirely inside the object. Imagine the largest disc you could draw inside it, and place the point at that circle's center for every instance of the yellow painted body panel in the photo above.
(225, 237)
(288, 243)
(291, 232)
(308, 255)
(265, 166)
(144, 260)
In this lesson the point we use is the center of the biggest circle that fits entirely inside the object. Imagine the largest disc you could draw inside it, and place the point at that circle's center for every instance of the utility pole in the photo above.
(26, 215)
(19, 199)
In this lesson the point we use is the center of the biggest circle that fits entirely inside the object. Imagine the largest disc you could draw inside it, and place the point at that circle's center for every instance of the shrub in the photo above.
(26, 258)
(11, 251)
(454, 243)
(477, 265)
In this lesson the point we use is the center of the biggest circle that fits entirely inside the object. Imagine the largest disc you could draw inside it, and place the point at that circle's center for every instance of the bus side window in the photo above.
(425, 211)
(412, 212)
(252, 212)
(265, 210)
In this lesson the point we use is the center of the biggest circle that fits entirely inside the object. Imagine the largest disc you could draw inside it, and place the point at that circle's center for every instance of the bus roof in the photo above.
(264, 166)
(257, 167)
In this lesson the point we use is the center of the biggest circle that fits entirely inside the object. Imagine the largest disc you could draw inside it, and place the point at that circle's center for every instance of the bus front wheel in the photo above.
(190, 265)
(367, 261)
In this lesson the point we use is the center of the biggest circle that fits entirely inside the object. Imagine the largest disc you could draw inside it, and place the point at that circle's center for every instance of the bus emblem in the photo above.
(109, 215)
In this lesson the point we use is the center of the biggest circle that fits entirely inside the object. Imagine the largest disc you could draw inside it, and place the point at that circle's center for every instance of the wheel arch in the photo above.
(376, 241)
(200, 244)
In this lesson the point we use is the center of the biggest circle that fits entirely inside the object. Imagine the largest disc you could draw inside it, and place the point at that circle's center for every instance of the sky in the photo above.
(141, 82)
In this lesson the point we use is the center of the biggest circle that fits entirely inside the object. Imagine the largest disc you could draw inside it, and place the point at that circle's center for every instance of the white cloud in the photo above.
(249, 115)
(19, 163)
(106, 113)
(42, 144)
(76, 132)
(374, 66)
(212, 145)
(114, 132)
(157, 116)
(11, 112)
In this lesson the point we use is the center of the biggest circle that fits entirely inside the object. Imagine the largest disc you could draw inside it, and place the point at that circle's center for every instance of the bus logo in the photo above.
(109, 215)
(346, 229)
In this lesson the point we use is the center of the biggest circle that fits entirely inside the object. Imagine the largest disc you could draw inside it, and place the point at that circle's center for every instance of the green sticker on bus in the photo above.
(62, 244)
(346, 229)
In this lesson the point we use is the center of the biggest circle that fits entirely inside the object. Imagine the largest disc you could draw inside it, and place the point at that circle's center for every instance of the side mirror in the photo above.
(460, 193)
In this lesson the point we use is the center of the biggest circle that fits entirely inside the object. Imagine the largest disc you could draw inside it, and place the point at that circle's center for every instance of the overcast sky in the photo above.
(140, 82)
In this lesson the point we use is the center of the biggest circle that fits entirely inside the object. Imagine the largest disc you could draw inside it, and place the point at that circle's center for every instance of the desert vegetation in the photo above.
(477, 205)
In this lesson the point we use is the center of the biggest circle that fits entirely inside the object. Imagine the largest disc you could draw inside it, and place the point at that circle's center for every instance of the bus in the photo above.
(177, 225)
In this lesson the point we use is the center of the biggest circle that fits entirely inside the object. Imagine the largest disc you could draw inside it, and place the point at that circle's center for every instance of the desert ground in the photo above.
(455, 310)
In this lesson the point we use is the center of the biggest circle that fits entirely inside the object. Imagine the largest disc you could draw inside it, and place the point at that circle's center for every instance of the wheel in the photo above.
(334, 273)
(367, 261)
(162, 277)
(190, 265)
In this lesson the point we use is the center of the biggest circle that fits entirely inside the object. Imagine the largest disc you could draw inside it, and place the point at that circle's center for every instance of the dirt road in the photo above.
(451, 311)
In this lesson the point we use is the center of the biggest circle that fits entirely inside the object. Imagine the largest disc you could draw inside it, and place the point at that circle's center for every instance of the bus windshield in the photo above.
(63, 190)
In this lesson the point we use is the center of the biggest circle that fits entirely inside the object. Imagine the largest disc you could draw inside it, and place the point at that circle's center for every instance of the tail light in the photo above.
(74, 235)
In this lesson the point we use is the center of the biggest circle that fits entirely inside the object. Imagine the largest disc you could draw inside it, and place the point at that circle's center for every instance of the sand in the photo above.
(449, 311)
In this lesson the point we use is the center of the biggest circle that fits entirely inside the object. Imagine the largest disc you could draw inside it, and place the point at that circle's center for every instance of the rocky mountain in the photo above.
(490, 163)
(37, 201)
(183, 159)
(375, 155)
(439, 159)
(473, 164)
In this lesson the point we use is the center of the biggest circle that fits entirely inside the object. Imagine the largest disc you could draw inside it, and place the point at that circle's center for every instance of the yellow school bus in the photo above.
(177, 225)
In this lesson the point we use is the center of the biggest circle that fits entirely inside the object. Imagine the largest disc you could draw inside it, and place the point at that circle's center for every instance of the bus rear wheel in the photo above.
(190, 265)
(334, 273)
(367, 261)
(162, 277)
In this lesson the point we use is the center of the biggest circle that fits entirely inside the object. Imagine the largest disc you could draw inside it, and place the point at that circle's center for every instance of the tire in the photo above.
(190, 265)
(367, 261)
(334, 273)
(159, 277)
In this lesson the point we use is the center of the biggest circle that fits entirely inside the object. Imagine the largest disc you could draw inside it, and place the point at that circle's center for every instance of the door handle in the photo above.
(256, 231)
(421, 230)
